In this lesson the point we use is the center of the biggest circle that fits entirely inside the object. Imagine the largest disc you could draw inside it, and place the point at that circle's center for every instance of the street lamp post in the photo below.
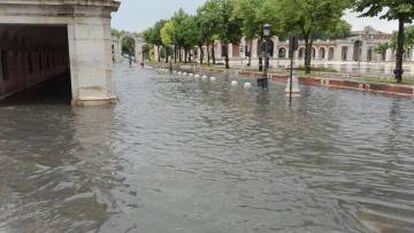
(263, 82)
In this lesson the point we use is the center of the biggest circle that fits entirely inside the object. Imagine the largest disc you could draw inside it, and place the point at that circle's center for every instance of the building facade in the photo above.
(359, 47)
(42, 39)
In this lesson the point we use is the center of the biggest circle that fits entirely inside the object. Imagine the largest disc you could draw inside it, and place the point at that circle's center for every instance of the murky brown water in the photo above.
(179, 154)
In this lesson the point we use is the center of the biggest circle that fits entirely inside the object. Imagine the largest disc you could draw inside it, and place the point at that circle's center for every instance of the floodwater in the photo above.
(380, 69)
(179, 154)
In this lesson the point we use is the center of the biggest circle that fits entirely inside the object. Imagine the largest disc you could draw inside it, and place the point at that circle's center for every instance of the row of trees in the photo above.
(230, 20)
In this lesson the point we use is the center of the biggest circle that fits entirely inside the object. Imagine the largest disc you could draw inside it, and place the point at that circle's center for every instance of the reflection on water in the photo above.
(179, 154)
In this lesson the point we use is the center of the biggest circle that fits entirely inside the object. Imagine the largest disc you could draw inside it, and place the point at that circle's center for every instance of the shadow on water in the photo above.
(55, 91)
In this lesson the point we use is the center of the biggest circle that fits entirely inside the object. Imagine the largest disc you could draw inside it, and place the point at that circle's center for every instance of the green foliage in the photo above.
(340, 30)
(229, 26)
(401, 10)
(387, 9)
(207, 20)
(408, 40)
(128, 45)
(311, 19)
(167, 33)
(382, 48)
(153, 34)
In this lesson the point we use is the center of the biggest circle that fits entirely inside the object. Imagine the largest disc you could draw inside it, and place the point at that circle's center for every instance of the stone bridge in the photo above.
(42, 39)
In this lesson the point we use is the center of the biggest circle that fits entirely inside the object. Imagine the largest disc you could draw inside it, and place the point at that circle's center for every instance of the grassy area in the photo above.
(319, 70)
(388, 80)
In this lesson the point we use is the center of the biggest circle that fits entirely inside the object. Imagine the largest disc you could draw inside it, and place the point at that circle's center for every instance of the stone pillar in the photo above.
(364, 52)
(276, 47)
(230, 50)
(350, 54)
(243, 48)
(139, 42)
(90, 61)
(412, 54)
(338, 52)
(218, 47)
(254, 48)
(388, 55)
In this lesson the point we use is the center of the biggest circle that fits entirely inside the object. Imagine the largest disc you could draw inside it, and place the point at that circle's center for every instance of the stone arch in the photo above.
(282, 52)
(357, 50)
(331, 53)
(322, 53)
(407, 54)
(313, 53)
(261, 47)
(370, 53)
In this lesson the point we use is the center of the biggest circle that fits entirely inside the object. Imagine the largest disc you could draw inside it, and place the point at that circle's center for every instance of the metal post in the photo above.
(291, 78)
(264, 84)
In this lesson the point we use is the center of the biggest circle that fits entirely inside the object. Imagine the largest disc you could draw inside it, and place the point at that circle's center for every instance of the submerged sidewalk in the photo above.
(331, 80)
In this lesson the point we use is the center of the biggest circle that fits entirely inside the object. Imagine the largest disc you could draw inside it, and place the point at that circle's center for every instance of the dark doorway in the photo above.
(35, 64)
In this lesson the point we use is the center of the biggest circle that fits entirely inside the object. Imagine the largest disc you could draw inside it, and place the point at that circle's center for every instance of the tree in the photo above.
(382, 48)
(408, 40)
(401, 10)
(229, 26)
(178, 31)
(310, 19)
(254, 14)
(153, 36)
(191, 35)
(167, 37)
(128, 47)
(207, 19)
(247, 11)
(340, 30)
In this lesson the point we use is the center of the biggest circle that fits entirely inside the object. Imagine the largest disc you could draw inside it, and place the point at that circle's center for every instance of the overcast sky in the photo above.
(137, 15)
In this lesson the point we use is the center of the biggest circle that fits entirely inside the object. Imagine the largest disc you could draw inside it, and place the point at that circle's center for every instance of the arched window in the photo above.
(322, 54)
(331, 53)
(301, 53)
(357, 50)
(282, 52)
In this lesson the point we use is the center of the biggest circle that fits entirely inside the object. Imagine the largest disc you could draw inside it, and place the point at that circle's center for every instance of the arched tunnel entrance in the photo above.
(34, 64)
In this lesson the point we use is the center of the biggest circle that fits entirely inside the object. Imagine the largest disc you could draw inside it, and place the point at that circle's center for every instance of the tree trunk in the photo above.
(175, 54)
(213, 54)
(260, 54)
(208, 54)
(400, 52)
(166, 54)
(185, 55)
(158, 53)
(227, 57)
(308, 54)
(201, 54)
(249, 63)
(180, 55)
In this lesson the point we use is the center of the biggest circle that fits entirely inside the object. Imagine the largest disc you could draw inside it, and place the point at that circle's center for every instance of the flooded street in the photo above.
(179, 154)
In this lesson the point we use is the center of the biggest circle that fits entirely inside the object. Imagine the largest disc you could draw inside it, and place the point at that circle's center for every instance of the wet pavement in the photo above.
(179, 154)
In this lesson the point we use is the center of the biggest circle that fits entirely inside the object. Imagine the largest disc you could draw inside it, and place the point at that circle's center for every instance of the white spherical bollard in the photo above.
(234, 83)
(213, 79)
(247, 86)
(197, 76)
(185, 73)
(190, 74)
(204, 77)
